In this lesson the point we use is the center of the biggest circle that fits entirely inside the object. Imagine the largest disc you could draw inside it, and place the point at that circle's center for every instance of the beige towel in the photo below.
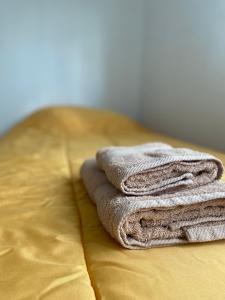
(155, 167)
(136, 222)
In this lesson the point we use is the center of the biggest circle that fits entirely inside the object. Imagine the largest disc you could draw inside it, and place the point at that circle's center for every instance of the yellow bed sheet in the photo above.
(52, 245)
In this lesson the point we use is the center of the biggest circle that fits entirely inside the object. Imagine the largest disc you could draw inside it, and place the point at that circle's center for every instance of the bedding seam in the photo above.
(65, 144)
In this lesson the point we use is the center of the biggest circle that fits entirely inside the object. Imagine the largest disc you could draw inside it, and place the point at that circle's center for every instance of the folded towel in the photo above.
(155, 167)
(136, 222)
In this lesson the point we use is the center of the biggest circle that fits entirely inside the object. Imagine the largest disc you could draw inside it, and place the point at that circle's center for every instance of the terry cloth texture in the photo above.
(154, 168)
(192, 215)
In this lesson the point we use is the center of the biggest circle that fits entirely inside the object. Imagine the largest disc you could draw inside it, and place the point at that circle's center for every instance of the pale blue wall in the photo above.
(184, 69)
(160, 61)
(85, 52)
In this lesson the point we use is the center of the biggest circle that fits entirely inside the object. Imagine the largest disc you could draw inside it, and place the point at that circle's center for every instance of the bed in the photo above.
(52, 245)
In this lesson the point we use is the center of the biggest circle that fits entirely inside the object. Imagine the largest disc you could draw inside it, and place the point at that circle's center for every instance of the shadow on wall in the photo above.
(184, 79)
(69, 52)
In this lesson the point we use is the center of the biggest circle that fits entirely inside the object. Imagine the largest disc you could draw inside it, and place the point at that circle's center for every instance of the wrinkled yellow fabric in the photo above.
(52, 245)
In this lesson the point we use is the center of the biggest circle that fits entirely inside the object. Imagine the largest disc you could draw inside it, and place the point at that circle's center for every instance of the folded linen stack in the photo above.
(154, 195)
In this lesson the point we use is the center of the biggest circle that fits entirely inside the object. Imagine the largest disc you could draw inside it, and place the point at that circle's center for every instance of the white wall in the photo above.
(85, 52)
(184, 69)
(162, 62)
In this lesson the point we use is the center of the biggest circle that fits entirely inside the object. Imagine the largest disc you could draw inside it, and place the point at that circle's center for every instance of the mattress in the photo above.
(52, 245)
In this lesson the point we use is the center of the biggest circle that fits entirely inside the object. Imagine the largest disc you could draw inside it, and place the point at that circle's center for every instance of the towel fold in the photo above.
(155, 168)
(192, 215)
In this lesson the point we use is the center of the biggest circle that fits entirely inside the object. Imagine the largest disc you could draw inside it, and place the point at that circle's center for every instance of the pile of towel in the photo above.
(154, 195)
